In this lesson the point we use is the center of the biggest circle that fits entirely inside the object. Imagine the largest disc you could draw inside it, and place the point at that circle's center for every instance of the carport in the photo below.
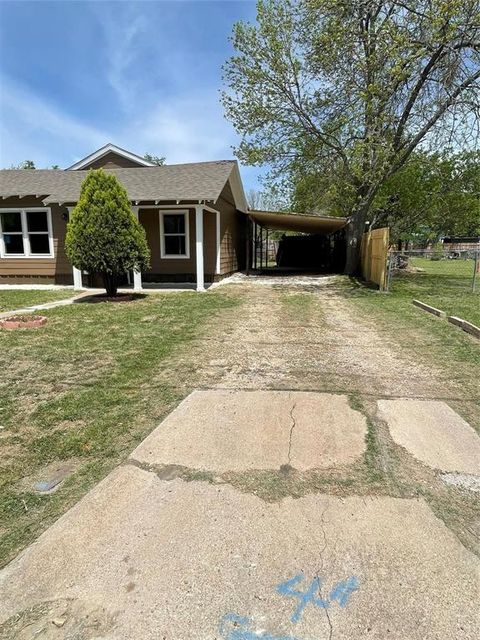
(317, 246)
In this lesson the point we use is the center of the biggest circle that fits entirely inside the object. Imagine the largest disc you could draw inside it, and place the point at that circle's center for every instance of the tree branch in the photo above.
(433, 120)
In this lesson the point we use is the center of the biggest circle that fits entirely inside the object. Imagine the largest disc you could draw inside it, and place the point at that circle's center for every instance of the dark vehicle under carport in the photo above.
(317, 244)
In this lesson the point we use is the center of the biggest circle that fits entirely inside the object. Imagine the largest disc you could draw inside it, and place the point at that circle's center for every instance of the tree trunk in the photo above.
(355, 230)
(110, 284)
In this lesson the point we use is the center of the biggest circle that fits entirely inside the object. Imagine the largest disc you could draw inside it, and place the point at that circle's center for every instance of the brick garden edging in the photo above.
(466, 326)
(429, 309)
(22, 322)
(470, 328)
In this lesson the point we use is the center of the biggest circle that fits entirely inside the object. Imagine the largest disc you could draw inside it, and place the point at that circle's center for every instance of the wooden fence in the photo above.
(374, 256)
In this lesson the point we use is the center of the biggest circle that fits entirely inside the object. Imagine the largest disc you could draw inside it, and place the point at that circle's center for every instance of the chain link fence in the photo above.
(433, 268)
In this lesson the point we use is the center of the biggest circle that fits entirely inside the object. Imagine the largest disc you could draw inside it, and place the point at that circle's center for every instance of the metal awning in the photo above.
(300, 222)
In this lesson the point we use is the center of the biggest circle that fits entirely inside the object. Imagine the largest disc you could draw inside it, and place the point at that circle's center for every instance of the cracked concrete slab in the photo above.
(139, 557)
(242, 430)
(434, 433)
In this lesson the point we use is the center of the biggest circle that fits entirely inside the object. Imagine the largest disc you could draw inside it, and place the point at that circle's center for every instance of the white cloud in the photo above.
(125, 31)
(186, 128)
(33, 128)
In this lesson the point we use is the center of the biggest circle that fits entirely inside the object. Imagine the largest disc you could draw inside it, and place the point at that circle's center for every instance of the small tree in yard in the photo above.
(103, 235)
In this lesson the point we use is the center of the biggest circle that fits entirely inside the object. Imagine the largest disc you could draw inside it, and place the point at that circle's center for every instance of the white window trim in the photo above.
(168, 256)
(27, 255)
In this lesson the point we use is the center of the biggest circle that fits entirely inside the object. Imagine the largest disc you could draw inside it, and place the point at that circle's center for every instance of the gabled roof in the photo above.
(193, 182)
(109, 148)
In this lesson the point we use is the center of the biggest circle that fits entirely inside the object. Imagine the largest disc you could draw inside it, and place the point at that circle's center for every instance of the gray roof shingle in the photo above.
(185, 182)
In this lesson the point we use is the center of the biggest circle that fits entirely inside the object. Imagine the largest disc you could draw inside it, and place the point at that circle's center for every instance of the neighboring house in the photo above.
(462, 243)
(195, 218)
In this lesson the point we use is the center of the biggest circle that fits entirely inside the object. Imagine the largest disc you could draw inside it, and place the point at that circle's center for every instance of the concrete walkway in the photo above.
(79, 294)
(40, 307)
(166, 548)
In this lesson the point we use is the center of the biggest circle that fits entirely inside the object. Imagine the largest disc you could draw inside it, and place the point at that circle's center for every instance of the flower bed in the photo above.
(22, 322)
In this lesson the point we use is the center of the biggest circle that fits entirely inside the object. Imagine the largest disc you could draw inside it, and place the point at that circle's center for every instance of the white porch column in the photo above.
(199, 247)
(217, 222)
(137, 276)
(77, 274)
(77, 279)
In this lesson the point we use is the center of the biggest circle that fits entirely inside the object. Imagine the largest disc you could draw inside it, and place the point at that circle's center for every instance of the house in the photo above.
(194, 215)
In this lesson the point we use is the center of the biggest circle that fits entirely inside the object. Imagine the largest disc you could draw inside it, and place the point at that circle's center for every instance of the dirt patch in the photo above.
(102, 297)
(62, 618)
(309, 337)
(54, 474)
(462, 480)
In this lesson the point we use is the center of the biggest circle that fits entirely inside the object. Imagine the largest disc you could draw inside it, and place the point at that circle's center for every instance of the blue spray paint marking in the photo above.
(342, 591)
(306, 597)
(235, 627)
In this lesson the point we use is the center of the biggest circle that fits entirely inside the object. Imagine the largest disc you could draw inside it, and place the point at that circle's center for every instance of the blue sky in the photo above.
(143, 75)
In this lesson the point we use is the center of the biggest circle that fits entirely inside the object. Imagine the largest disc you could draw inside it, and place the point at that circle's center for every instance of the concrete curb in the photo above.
(426, 307)
(465, 326)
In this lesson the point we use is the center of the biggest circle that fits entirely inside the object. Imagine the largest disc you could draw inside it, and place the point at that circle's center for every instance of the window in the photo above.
(174, 239)
(26, 233)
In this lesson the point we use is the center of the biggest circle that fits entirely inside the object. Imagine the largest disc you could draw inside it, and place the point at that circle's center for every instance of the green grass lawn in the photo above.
(422, 337)
(445, 284)
(19, 298)
(85, 389)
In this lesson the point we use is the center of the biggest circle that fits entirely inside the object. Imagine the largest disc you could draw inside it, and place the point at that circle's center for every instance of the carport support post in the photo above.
(137, 276)
(249, 245)
(261, 248)
(199, 247)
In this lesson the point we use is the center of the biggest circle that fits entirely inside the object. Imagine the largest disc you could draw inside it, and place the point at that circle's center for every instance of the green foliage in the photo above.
(317, 86)
(103, 235)
(26, 164)
(433, 195)
(112, 357)
(321, 192)
(157, 160)
(438, 252)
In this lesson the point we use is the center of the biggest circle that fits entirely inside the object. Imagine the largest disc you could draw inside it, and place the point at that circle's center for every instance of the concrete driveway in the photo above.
(179, 543)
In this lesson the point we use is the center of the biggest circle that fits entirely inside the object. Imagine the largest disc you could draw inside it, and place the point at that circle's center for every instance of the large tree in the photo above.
(103, 235)
(432, 195)
(354, 84)
(159, 161)
(26, 164)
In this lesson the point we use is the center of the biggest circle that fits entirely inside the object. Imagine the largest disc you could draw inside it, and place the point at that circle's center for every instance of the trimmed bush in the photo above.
(103, 235)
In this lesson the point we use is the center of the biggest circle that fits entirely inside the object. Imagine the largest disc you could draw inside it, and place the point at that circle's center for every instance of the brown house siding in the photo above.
(232, 234)
(178, 269)
(56, 270)
(111, 160)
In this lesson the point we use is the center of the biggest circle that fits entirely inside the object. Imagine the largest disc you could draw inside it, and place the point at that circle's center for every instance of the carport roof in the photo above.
(301, 222)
